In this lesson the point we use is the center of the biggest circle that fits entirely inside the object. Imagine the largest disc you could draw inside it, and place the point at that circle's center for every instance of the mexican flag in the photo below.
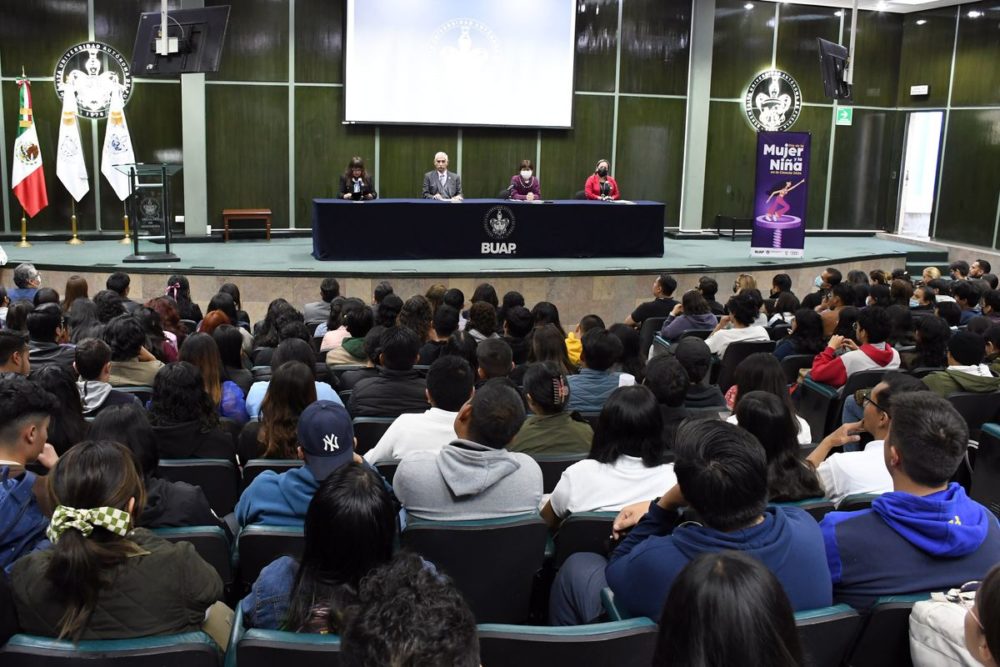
(27, 179)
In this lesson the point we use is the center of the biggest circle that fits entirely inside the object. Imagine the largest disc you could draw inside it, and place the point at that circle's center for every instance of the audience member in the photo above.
(397, 388)
(839, 297)
(82, 322)
(435, 294)
(626, 461)
(387, 310)
(292, 349)
(482, 322)
(967, 297)
(959, 269)
(161, 344)
(517, 328)
(991, 305)
(590, 388)
(417, 315)
(873, 352)
(661, 305)
(743, 311)
(318, 311)
(574, 339)
(709, 287)
(783, 310)
(494, 359)
(290, 390)
(17, 316)
(27, 280)
(333, 331)
(185, 422)
(170, 319)
(444, 324)
(824, 282)
(200, 350)
(762, 372)
(966, 370)
(950, 312)
(694, 355)
(242, 318)
(326, 443)
(550, 429)
(118, 282)
(726, 609)
(475, 476)
(692, 313)
(350, 528)
(67, 425)
(449, 387)
(926, 534)
(923, 300)
(158, 588)
(131, 363)
(45, 333)
(358, 321)
(234, 361)
(667, 379)
(805, 337)
(179, 289)
(46, 295)
(979, 268)
(15, 355)
(226, 304)
(930, 273)
(109, 305)
(632, 362)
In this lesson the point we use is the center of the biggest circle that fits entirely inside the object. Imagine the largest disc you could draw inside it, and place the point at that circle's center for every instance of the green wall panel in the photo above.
(816, 121)
(569, 156)
(319, 41)
(407, 153)
(491, 156)
(925, 57)
(978, 43)
(879, 36)
(797, 53)
(596, 45)
(247, 150)
(656, 39)
(323, 147)
(256, 47)
(744, 40)
(651, 151)
(729, 164)
(865, 183)
(36, 34)
(116, 21)
(967, 195)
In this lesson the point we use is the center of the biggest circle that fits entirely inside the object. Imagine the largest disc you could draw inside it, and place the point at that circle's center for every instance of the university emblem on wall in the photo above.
(499, 222)
(772, 102)
(93, 69)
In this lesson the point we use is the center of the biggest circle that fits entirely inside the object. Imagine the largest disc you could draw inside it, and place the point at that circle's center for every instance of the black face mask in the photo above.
(603, 171)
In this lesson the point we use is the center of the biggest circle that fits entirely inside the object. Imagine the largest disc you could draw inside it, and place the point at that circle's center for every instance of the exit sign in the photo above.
(845, 115)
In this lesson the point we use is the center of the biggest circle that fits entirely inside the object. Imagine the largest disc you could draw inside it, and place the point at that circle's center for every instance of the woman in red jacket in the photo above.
(600, 185)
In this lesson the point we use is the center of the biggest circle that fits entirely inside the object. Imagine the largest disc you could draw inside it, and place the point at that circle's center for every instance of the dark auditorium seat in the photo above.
(142, 392)
(976, 408)
(628, 643)
(369, 430)
(885, 639)
(828, 634)
(856, 501)
(257, 546)
(211, 543)
(650, 327)
(821, 405)
(553, 465)
(793, 363)
(218, 478)
(734, 356)
(583, 531)
(817, 507)
(252, 647)
(986, 472)
(189, 649)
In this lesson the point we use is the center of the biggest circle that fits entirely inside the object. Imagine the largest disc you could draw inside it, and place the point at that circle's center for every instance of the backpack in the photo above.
(22, 524)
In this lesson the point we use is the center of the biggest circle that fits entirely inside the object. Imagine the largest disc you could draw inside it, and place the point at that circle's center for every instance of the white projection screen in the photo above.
(460, 62)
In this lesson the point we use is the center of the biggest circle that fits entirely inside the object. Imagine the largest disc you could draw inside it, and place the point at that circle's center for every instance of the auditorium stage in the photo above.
(608, 286)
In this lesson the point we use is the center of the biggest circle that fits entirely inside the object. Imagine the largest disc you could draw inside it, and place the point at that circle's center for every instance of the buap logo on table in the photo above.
(499, 223)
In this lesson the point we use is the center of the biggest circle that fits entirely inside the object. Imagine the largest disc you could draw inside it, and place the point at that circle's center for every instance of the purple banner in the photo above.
(781, 194)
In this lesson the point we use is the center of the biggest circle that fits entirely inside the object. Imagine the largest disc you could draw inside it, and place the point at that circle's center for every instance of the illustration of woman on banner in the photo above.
(779, 206)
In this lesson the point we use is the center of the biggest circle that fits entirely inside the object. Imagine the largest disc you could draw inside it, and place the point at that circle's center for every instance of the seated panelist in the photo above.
(524, 185)
(355, 183)
(601, 185)
(441, 183)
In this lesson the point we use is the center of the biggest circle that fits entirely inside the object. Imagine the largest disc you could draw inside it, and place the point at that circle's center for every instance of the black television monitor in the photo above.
(199, 33)
(833, 69)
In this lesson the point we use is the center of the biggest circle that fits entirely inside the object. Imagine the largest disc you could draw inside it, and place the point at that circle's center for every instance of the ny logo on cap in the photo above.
(330, 443)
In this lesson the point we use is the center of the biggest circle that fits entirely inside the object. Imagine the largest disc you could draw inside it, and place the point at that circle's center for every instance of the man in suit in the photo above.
(441, 183)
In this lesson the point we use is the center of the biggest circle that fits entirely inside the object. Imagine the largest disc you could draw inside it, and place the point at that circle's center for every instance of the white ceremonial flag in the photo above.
(71, 168)
(117, 146)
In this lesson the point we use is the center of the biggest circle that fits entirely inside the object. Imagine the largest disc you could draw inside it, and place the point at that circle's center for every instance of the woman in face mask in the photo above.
(524, 185)
(601, 185)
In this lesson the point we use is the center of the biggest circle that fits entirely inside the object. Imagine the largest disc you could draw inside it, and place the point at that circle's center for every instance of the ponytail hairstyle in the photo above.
(547, 387)
(91, 475)
(178, 289)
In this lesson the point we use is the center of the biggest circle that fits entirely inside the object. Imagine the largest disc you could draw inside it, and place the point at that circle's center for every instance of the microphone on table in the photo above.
(508, 193)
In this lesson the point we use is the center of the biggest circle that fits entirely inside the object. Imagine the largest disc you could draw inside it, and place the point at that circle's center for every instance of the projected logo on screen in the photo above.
(773, 101)
(499, 225)
(464, 43)
(93, 69)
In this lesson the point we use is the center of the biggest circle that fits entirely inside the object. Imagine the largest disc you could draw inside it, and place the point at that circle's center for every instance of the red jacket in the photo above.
(593, 187)
(830, 369)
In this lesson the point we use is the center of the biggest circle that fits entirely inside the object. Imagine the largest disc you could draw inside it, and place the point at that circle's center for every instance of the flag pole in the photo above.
(126, 239)
(72, 222)
(24, 231)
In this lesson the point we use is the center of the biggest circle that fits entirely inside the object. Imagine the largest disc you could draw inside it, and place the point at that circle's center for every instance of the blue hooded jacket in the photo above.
(277, 499)
(643, 567)
(909, 544)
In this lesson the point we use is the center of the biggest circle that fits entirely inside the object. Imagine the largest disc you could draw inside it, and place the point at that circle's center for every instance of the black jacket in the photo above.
(188, 440)
(389, 394)
(172, 504)
(366, 187)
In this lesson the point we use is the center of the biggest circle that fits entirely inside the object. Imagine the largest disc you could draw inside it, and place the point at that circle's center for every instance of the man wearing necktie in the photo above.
(441, 183)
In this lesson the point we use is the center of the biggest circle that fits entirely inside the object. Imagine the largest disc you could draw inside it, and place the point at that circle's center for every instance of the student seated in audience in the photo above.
(397, 388)
(770, 419)
(25, 410)
(444, 324)
(783, 309)
(550, 429)
(966, 370)
(475, 476)
(482, 322)
(185, 423)
(668, 381)
(662, 304)
(805, 337)
(168, 504)
(631, 362)
(15, 357)
(67, 426)
(709, 287)
(417, 315)
(200, 350)
(762, 372)
(991, 306)
(926, 535)
(692, 313)
(350, 528)
(982, 621)
(358, 321)
(590, 388)
(950, 312)
(743, 311)
(45, 332)
(626, 461)
(923, 300)
(326, 443)
(847, 473)
(131, 363)
(226, 303)
(333, 330)
(234, 361)
(694, 355)
(292, 349)
(722, 474)
(494, 359)
(967, 296)
(931, 344)
(574, 339)
(290, 391)
(449, 387)
(179, 289)
(408, 614)
(870, 352)
(373, 349)
(840, 297)
(727, 609)
(517, 325)
(27, 280)
(319, 311)
(68, 591)
(992, 359)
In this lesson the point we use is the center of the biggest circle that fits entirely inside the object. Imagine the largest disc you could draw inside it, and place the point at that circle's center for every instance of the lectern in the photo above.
(149, 207)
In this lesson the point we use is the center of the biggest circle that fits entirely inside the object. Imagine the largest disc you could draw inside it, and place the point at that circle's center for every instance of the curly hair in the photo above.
(179, 396)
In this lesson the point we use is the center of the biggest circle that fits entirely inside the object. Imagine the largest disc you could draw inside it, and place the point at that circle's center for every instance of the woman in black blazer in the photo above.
(355, 183)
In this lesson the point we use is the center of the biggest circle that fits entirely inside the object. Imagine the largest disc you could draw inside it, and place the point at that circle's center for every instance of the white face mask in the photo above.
(525, 174)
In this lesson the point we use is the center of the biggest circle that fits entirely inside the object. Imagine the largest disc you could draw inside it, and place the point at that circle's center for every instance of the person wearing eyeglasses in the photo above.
(845, 473)
(924, 535)
(982, 621)
(843, 357)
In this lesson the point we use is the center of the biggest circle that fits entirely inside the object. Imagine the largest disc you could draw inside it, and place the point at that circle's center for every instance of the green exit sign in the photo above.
(845, 115)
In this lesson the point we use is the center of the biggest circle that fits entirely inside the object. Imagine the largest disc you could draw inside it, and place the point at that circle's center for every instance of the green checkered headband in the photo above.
(115, 520)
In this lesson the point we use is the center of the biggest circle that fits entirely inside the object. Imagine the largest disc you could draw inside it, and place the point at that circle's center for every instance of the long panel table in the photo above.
(431, 229)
